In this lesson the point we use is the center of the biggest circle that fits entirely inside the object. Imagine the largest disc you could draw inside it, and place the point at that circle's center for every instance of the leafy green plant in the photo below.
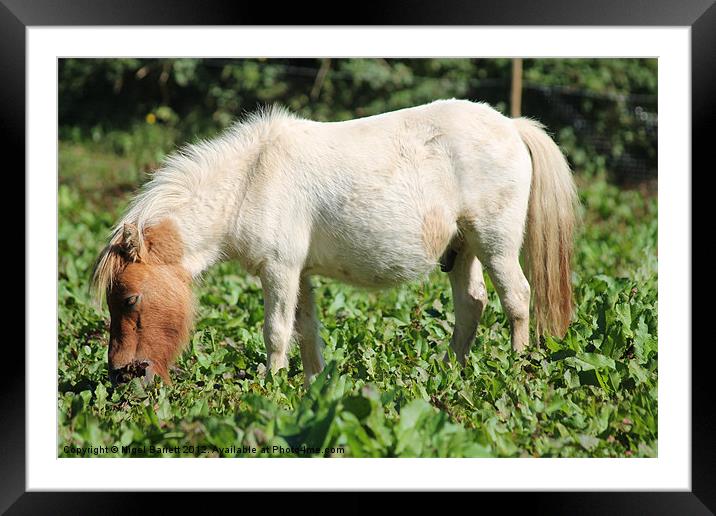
(386, 391)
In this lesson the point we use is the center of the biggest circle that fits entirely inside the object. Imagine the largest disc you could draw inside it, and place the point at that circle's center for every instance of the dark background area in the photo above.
(603, 112)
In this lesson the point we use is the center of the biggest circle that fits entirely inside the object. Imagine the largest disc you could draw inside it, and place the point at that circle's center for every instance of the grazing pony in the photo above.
(374, 202)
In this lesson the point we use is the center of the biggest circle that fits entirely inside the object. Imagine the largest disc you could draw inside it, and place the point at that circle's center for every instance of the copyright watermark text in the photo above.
(149, 451)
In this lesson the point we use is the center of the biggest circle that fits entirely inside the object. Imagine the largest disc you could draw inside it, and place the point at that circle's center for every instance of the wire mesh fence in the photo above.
(618, 133)
(620, 130)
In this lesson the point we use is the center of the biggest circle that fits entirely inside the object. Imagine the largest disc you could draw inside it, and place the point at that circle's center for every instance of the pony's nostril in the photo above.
(114, 376)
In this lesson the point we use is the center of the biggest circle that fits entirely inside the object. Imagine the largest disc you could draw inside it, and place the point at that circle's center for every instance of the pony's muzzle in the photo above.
(135, 369)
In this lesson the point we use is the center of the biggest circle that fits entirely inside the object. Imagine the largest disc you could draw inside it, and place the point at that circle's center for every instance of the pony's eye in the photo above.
(131, 301)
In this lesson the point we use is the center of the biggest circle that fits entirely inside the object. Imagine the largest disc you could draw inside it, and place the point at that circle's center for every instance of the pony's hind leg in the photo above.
(496, 241)
(469, 297)
(307, 333)
(280, 288)
(514, 292)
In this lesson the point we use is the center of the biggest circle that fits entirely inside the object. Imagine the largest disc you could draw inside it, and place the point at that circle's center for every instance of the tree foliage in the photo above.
(603, 111)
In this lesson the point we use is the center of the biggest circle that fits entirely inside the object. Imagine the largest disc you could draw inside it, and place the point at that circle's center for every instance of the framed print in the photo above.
(230, 188)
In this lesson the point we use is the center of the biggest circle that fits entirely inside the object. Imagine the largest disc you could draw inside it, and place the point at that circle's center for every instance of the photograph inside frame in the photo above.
(343, 257)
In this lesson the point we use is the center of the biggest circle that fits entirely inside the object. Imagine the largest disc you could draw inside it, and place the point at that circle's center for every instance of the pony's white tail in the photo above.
(551, 218)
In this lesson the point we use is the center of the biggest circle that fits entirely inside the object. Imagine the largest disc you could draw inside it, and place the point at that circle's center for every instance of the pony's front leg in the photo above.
(307, 332)
(280, 288)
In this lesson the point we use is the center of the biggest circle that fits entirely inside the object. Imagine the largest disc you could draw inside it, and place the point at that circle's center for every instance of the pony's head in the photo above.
(150, 301)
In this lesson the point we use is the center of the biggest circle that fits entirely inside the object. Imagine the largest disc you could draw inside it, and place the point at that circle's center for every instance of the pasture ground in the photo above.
(386, 392)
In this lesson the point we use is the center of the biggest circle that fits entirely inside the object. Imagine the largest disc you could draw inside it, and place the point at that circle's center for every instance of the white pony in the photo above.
(374, 202)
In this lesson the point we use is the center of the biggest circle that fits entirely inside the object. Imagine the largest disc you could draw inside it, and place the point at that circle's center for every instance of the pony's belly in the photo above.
(384, 260)
(371, 277)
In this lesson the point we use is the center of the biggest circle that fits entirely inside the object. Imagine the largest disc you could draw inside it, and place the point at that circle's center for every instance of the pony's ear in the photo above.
(163, 243)
(131, 242)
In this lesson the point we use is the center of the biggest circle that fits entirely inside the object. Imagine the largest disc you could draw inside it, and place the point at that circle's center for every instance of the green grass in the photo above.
(385, 392)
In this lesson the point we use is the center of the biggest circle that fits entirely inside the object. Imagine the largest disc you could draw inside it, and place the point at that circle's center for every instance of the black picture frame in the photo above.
(700, 15)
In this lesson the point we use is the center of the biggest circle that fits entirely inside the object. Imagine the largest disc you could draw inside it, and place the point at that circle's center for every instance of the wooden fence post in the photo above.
(516, 99)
